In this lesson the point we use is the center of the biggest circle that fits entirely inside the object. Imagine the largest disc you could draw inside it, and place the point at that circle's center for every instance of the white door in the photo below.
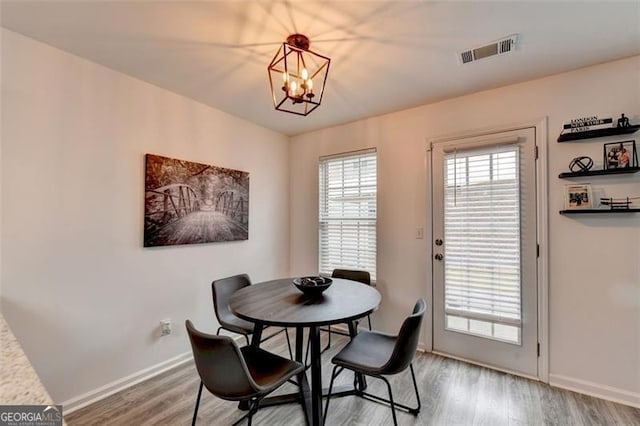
(485, 250)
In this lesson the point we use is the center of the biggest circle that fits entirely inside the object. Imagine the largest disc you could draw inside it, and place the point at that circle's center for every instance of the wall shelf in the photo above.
(599, 133)
(578, 211)
(599, 172)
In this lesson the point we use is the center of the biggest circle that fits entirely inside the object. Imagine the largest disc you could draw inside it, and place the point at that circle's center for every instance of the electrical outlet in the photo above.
(165, 327)
(419, 233)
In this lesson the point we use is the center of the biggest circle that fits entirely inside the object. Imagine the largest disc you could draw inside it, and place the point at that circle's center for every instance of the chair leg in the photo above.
(306, 352)
(369, 319)
(195, 411)
(251, 413)
(326, 406)
(393, 408)
(218, 332)
(415, 386)
(286, 333)
(328, 339)
(252, 409)
(246, 337)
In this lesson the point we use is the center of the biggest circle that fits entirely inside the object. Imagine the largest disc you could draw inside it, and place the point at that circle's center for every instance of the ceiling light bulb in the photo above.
(310, 84)
(294, 88)
(304, 74)
(285, 77)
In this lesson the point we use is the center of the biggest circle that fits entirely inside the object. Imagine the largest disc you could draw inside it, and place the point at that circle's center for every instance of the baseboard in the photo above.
(594, 389)
(109, 389)
(491, 367)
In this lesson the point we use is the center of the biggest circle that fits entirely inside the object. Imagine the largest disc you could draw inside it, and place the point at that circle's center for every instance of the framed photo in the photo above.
(578, 197)
(620, 155)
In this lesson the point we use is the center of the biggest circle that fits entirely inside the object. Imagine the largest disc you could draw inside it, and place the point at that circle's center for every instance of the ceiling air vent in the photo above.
(498, 47)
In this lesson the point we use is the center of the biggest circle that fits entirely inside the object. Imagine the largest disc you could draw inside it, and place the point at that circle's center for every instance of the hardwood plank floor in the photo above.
(452, 393)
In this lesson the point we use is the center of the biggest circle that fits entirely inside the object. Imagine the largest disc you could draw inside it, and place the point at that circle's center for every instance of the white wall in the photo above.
(79, 291)
(594, 260)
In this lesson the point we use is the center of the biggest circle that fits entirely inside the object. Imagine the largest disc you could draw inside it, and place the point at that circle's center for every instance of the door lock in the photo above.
(438, 256)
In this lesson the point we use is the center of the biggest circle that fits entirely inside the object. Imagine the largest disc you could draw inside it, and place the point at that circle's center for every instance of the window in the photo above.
(348, 189)
(482, 231)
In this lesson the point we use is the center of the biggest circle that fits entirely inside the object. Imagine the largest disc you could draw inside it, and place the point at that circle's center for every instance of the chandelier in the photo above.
(297, 76)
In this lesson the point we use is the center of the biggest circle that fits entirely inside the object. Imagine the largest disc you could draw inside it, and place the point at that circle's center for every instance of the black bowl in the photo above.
(312, 286)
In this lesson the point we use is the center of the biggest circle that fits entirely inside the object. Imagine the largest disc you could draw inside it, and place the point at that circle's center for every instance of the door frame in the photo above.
(542, 224)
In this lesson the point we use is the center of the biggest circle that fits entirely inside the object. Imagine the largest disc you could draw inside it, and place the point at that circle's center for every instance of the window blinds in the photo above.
(347, 229)
(482, 235)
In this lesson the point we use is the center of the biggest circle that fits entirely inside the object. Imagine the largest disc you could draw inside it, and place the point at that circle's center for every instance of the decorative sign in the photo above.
(584, 124)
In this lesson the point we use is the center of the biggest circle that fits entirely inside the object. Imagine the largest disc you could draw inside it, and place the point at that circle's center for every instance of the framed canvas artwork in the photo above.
(193, 203)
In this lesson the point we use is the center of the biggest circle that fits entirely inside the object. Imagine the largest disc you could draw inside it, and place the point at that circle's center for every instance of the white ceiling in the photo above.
(385, 55)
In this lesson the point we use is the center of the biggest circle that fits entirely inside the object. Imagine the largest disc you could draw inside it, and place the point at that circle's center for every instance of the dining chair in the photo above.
(237, 374)
(353, 275)
(377, 354)
(221, 290)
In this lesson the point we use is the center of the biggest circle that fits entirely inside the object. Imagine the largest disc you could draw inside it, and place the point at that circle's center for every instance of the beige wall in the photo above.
(79, 291)
(85, 298)
(594, 281)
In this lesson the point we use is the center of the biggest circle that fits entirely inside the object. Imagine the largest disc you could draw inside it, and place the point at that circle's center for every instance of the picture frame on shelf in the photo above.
(578, 197)
(620, 155)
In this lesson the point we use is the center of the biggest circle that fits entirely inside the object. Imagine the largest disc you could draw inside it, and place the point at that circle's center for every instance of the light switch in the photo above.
(419, 233)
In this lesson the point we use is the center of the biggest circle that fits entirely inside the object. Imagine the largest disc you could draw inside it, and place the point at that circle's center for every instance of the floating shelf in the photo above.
(578, 211)
(599, 133)
(600, 172)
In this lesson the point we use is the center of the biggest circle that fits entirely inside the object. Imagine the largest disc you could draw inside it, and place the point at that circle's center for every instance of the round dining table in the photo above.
(280, 303)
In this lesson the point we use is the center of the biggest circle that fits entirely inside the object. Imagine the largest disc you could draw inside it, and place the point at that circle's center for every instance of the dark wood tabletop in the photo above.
(280, 303)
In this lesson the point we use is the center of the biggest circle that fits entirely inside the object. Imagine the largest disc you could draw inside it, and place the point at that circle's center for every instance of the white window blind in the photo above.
(482, 240)
(347, 229)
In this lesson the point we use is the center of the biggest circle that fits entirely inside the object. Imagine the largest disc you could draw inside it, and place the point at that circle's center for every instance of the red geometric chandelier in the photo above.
(297, 76)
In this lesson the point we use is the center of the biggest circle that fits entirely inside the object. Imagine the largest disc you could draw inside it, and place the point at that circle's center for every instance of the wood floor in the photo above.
(451, 392)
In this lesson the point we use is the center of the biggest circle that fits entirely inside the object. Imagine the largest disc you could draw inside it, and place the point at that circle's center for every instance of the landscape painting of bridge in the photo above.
(193, 203)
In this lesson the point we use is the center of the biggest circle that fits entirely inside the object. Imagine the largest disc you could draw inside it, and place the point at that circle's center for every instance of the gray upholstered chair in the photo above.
(378, 354)
(348, 274)
(354, 275)
(237, 374)
(221, 290)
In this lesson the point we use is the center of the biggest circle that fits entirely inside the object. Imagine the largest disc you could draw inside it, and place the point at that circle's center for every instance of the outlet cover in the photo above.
(165, 326)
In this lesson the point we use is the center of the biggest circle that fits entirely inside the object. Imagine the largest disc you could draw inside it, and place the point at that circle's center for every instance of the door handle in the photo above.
(438, 242)
(438, 256)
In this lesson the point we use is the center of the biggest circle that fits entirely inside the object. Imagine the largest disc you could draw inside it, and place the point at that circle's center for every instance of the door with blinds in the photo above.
(485, 250)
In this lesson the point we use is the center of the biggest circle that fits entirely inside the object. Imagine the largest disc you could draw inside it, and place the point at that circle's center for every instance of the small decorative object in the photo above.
(312, 286)
(581, 164)
(192, 203)
(623, 121)
(584, 124)
(578, 197)
(618, 203)
(620, 155)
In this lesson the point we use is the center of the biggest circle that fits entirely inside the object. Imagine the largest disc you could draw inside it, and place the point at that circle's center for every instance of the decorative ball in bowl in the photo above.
(312, 286)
